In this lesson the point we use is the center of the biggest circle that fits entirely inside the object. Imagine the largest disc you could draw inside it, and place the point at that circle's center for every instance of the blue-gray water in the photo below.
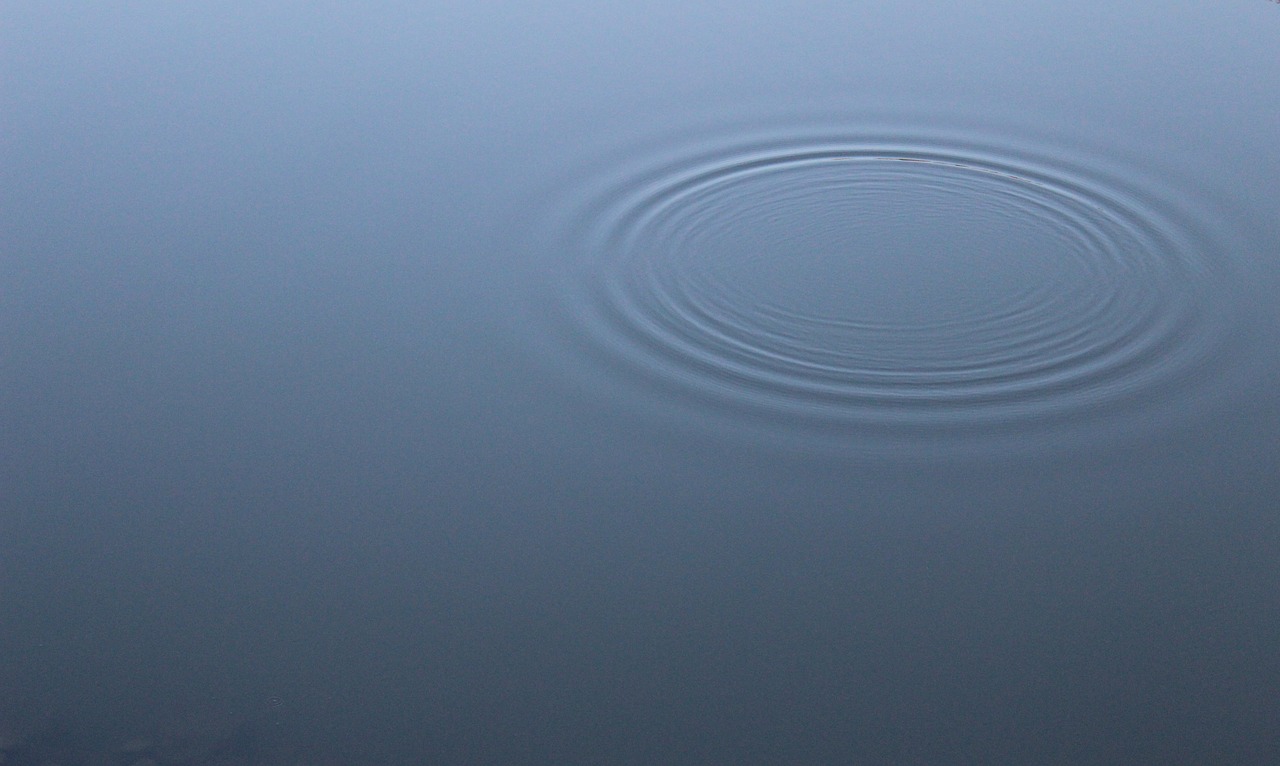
(395, 383)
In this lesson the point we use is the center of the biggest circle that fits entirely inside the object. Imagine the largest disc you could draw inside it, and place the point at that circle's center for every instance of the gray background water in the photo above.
(286, 437)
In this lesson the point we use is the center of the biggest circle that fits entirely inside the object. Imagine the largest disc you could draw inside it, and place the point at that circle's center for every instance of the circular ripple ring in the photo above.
(892, 287)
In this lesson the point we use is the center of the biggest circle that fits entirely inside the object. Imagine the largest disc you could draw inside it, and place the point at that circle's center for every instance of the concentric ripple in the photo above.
(889, 290)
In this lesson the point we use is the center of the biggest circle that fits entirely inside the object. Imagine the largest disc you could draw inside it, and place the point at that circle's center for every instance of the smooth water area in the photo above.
(755, 383)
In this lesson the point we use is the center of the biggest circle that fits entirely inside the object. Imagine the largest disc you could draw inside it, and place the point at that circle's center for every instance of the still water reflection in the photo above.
(403, 383)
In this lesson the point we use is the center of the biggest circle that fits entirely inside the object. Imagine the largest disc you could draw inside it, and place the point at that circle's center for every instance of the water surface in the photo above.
(751, 383)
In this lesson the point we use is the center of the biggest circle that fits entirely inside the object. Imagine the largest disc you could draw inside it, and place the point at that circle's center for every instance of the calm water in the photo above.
(747, 383)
